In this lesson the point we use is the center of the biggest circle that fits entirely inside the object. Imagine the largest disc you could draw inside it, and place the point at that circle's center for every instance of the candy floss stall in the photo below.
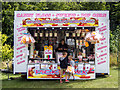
(37, 35)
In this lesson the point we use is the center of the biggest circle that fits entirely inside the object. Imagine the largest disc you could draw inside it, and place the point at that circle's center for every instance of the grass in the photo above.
(100, 82)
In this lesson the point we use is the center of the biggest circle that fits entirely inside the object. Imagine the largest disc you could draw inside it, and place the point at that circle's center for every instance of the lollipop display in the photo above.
(94, 37)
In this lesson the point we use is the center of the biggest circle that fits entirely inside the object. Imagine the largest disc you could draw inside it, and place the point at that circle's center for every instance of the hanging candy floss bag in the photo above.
(23, 40)
(94, 37)
(27, 39)
(32, 39)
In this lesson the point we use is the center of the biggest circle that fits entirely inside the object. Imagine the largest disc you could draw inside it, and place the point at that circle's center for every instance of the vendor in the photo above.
(62, 46)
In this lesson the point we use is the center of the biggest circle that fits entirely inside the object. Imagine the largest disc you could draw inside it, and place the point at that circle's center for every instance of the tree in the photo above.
(8, 9)
(7, 51)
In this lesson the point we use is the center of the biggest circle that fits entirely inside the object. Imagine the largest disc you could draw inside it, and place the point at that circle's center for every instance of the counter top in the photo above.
(42, 63)
(55, 63)
(46, 58)
(40, 58)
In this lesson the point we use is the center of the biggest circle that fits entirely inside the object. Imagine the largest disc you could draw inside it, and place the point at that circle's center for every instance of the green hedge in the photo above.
(7, 51)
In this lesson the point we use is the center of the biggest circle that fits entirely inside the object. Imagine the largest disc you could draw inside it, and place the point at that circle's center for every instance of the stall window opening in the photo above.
(72, 36)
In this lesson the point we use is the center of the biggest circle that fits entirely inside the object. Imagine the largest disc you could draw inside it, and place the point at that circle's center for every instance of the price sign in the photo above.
(44, 66)
(37, 66)
(80, 66)
(54, 66)
(87, 66)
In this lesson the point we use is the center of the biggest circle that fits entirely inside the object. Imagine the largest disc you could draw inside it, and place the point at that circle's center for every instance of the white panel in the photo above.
(102, 62)
(20, 62)
(100, 68)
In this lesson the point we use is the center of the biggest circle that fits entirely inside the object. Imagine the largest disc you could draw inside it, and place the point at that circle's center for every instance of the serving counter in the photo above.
(51, 71)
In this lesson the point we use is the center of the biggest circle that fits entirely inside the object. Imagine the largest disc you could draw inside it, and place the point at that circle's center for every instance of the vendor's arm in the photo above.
(60, 47)
(66, 47)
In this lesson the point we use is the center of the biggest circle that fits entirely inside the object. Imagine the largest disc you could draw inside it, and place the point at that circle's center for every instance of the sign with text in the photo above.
(59, 22)
(97, 19)
(52, 72)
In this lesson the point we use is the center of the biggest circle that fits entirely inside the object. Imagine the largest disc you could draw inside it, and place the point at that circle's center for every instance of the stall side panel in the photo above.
(20, 50)
(102, 49)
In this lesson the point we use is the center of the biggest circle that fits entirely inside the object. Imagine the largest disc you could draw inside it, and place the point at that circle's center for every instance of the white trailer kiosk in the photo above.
(40, 60)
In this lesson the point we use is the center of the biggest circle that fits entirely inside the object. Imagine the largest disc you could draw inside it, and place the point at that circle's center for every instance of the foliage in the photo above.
(7, 51)
(112, 42)
(8, 9)
(114, 39)
(4, 65)
(113, 59)
(7, 21)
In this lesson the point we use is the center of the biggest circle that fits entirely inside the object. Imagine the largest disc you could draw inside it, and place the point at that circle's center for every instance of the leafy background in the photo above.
(8, 9)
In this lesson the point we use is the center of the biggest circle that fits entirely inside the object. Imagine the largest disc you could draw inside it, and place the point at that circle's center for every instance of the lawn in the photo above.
(100, 82)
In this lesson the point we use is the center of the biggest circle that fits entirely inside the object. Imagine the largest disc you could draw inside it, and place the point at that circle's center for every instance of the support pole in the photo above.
(8, 70)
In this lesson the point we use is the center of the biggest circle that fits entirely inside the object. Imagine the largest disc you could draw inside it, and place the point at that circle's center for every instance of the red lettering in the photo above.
(53, 71)
(47, 72)
(99, 15)
(85, 14)
(84, 72)
(21, 62)
(36, 71)
(25, 15)
(42, 71)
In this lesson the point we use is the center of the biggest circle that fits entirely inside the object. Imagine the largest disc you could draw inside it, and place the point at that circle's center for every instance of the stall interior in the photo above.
(49, 38)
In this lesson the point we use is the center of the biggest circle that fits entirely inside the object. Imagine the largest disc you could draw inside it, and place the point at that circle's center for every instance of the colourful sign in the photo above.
(54, 73)
(58, 22)
(48, 51)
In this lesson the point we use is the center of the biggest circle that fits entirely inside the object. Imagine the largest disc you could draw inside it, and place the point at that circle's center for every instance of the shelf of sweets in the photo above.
(42, 63)
(41, 59)
(59, 63)
(75, 59)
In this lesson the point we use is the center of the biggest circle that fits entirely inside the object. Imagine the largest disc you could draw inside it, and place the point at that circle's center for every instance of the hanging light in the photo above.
(67, 27)
(52, 27)
(38, 28)
(60, 28)
(45, 28)
(75, 27)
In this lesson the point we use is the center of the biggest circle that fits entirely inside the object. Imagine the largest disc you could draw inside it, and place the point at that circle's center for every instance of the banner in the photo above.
(60, 22)
(51, 71)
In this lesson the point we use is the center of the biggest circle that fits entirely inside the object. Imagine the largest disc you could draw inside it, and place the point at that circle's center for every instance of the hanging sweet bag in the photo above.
(23, 40)
(32, 39)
